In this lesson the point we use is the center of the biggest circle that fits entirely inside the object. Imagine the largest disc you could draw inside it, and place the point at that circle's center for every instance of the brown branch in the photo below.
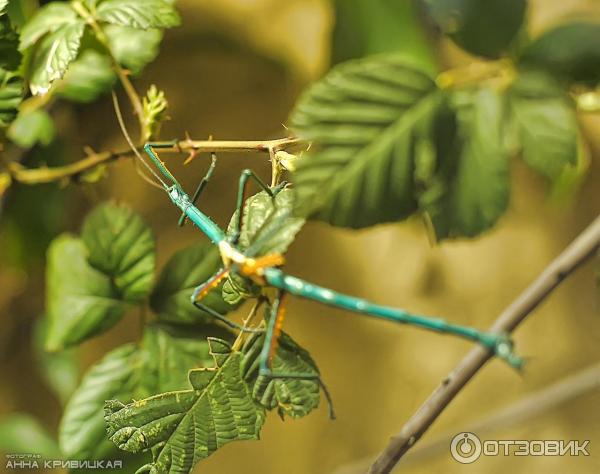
(582, 248)
(41, 175)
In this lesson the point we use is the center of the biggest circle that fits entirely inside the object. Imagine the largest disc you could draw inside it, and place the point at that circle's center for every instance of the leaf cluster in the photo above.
(391, 139)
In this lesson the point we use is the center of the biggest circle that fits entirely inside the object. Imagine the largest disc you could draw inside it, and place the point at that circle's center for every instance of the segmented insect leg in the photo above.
(203, 182)
(274, 327)
(202, 290)
(241, 198)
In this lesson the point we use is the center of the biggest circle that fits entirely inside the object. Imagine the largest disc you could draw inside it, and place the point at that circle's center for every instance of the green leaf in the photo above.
(379, 26)
(570, 51)
(268, 225)
(3, 4)
(362, 119)
(133, 48)
(11, 95)
(184, 427)
(486, 28)
(81, 301)
(160, 364)
(60, 370)
(154, 106)
(10, 57)
(82, 432)
(32, 127)
(546, 124)
(291, 396)
(141, 14)
(48, 19)
(54, 54)
(87, 78)
(471, 189)
(21, 433)
(188, 268)
(121, 245)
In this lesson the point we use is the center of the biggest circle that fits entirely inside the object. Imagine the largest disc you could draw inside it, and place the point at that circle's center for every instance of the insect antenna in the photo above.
(121, 122)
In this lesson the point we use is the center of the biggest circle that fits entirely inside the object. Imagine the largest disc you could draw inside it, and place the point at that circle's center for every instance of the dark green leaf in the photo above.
(268, 225)
(10, 57)
(48, 19)
(121, 245)
(32, 127)
(184, 427)
(370, 27)
(472, 187)
(21, 433)
(188, 268)
(88, 77)
(486, 28)
(362, 119)
(133, 48)
(11, 94)
(54, 54)
(59, 369)
(141, 14)
(81, 301)
(546, 124)
(571, 51)
(294, 397)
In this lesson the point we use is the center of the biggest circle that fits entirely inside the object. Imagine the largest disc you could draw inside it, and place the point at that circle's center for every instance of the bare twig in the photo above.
(582, 248)
(529, 407)
(41, 175)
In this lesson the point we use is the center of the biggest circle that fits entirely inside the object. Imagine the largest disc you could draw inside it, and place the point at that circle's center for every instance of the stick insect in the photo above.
(265, 271)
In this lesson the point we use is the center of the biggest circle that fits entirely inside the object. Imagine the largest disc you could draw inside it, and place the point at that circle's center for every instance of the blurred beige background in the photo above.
(233, 71)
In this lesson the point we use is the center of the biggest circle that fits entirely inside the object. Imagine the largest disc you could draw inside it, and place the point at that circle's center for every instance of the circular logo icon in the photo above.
(465, 448)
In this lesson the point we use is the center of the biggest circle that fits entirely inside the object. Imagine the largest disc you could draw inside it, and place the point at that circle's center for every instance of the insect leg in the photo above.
(201, 186)
(241, 198)
(269, 348)
(202, 290)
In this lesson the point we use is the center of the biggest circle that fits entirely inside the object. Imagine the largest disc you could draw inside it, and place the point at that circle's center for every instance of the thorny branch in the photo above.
(24, 175)
(582, 248)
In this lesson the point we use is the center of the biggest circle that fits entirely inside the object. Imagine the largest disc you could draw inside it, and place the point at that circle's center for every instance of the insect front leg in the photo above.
(202, 290)
(203, 182)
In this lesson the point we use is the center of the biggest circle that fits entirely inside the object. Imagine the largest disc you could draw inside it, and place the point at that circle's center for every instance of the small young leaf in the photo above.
(154, 107)
(133, 48)
(141, 14)
(87, 78)
(486, 28)
(268, 224)
(32, 127)
(20, 433)
(570, 51)
(48, 19)
(291, 396)
(188, 268)
(362, 119)
(54, 54)
(121, 245)
(81, 301)
(183, 427)
(546, 124)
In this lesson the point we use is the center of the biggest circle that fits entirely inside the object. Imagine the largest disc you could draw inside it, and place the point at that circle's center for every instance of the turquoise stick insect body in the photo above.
(266, 272)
